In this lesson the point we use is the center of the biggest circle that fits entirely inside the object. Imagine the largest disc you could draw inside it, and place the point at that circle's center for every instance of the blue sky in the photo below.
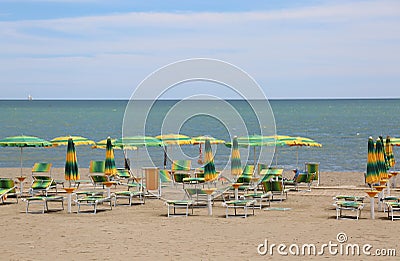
(98, 49)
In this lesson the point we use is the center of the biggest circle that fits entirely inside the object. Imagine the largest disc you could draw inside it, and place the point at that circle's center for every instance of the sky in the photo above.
(101, 49)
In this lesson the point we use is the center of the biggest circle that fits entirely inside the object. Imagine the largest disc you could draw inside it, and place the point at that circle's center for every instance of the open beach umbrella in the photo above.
(372, 175)
(23, 142)
(395, 141)
(110, 168)
(103, 144)
(380, 160)
(173, 139)
(389, 153)
(138, 141)
(78, 140)
(71, 163)
(201, 140)
(236, 165)
(209, 169)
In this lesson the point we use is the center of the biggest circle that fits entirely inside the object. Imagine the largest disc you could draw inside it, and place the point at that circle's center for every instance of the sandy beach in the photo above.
(144, 232)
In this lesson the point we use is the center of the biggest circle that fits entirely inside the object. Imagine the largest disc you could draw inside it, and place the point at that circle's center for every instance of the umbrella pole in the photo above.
(297, 157)
(254, 156)
(20, 161)
(372, 208)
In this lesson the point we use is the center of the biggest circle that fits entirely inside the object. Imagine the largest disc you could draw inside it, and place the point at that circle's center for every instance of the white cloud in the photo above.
(348, 41)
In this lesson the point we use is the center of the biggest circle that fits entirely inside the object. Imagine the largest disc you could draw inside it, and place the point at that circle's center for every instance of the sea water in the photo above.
(341, 126)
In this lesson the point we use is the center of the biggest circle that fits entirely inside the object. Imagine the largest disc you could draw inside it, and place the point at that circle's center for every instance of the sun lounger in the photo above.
(93, 201)
(127, 194)
(43, 200)
(300, 178)
(244, 204)
(392, 208)
(180, 169)
(98, 179)
(41, 186)
(179, 204)
(353, 206)
(276, 188)
(7, 188)
(349, 198)
(42, 170)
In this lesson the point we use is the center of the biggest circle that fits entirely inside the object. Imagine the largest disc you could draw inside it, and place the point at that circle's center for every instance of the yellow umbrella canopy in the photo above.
(78, 140)
(175, 139)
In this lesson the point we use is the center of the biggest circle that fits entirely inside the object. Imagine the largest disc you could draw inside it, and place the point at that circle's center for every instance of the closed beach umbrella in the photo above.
(71, 163)
(380, 159)
(236, 165)
(209, 169)
(372, 175)
(78, 140)
(389, 153)
(23, 142)
(110, 168)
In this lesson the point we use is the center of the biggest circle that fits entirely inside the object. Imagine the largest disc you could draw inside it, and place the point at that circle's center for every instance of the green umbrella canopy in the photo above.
(372, 175)
(139, 141)
(103, 143)
(23, 142)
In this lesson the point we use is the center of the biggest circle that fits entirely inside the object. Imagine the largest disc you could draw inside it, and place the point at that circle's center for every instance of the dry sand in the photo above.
(143, 232)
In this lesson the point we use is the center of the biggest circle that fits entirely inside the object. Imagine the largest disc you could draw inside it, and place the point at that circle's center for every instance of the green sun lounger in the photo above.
(93, 201)
(244, 204)
(7, 188)
(348, 205)
(179, 204)
(43, 200)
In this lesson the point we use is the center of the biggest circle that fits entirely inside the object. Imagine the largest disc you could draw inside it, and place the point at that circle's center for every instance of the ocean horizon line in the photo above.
(228, 99)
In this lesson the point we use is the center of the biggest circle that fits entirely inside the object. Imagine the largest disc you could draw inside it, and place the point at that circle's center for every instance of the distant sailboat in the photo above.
(30, 97)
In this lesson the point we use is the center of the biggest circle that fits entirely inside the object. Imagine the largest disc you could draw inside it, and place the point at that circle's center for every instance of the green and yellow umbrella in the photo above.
(173, 139)
(103, 144)
(380, 159)
(389, 153)
(110, 168)
(372, 175)
(236, 165)
(138, 141)
(23, 142)
(209, 169)
(78, 140)
(71, 163)
(201, 140)
(395, 141)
